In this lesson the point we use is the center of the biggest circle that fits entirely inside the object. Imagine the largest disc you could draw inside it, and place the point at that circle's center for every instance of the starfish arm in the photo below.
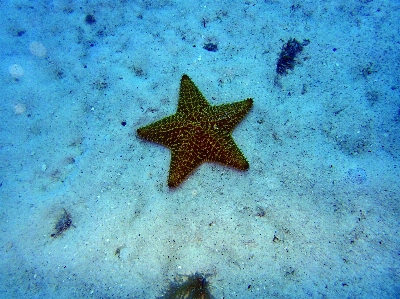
(183, 162)
(228, 153)
(226, 117)
(190, 98)
(164, 131)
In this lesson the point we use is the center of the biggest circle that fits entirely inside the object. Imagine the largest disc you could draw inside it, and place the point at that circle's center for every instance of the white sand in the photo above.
(316, 215)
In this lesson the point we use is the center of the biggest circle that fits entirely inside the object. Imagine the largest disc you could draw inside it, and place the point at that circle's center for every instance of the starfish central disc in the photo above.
(198, 132)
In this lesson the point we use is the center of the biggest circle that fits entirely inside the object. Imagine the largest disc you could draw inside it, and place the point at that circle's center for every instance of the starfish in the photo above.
(198, 133)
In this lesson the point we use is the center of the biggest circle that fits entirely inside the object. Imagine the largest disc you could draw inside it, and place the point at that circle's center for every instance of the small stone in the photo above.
(37, 49)
(16, 71)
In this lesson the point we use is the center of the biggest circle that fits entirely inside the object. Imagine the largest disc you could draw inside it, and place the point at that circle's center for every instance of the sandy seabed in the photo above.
(315, 216)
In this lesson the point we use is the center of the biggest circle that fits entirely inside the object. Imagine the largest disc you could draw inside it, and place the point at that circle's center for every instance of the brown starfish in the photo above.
(198, 132)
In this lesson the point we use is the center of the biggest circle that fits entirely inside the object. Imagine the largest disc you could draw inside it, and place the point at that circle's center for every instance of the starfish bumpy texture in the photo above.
(198, 132)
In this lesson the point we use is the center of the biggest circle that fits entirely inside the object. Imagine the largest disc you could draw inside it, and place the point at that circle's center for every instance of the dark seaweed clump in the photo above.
(63, 223)
(194, 287)
(211, 47)
(287, 57)
(90, 19)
